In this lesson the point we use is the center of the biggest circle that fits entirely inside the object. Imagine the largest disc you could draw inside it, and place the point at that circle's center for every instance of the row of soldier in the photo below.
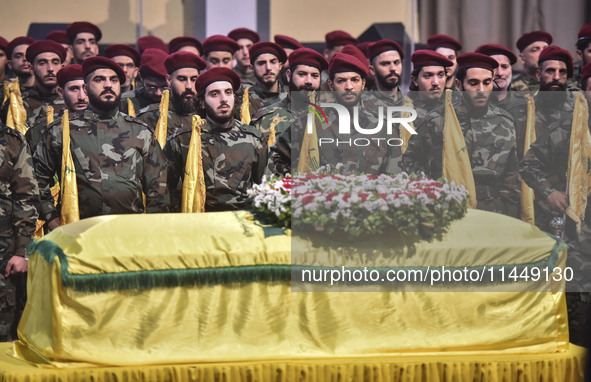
(117, 159)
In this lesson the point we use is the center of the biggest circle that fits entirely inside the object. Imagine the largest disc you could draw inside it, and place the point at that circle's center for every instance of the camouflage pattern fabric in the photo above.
(36, 106)
(248, 78)
(176, 122)
(516, 104)
(116, 159)
(490, 141)
(234, 159)
(259, 98)
(522, 82)
(139, 99)
(279, 114)
(34, 134)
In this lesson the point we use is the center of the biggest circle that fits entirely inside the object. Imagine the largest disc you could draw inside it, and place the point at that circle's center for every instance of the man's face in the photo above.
(552, 75)
(387, 68)
(585, 54)
(103, 89)
(329, 52)
(191, 49)
(431, 82)
(304, 77)
(74, 95)
(154, 87)
(18, 62)
(219, 102)
(219, 58)
(182, 86)
(128, 66)
(69, 54)
(3, 61)
(84, 46)
(530, 55)
(450, 54)
(348, 87)
(45, 67)
(587, 89)
(242, 55)
(503, 73)
(267, 68)
(477, 87)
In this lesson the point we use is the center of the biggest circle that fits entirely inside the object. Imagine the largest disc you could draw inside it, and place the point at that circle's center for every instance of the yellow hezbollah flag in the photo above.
(527, 194)
(309, 160)
(49, 114)
(17, 115)
(272, 134)
(245, 108)
(193, 196)
(130, 108)
(579, 162)
(456, 161)
(162, 126)
(70, 210)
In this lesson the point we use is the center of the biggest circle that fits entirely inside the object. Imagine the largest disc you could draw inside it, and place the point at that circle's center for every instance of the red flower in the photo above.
(307, 199)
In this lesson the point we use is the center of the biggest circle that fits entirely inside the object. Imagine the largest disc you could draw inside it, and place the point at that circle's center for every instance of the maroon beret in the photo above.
(585, 32)
(58, 36)
(529, 38)
(217, 74)
(180, 60)
(492, 49)
(364, 47)
(342, 62)
(426, 57)
(123, 50)
(287, 42)
(219, 42)
(178, 42)
(83, 26)
(239, 33)
(42, 46)
(152, 63)
(91, 64)
(352, 50)
(382, 46)
(266, 47)
(22, 40)
(307, 56)
(552, 52)
(151, 42)
(3, 44)
(69, 73)
(443, 41)
(585, 73)
(477, 60)
(337, 38)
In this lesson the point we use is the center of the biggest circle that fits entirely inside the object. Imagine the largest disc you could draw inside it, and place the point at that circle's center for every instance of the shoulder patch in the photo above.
(249, 129)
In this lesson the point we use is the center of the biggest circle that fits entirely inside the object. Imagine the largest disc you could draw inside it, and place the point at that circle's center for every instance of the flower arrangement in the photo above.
(361, 205)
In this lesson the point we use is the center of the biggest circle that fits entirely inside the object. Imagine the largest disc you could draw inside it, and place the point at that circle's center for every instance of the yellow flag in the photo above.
(404, 133)
(69, 188)
(456, 159)
(245, 108)
(272, 137)
(309, 160)
(162, 126)
(17, 115)
(49, 114)
(193, 196)
(579, 162)
(130, 108)
(527, 194)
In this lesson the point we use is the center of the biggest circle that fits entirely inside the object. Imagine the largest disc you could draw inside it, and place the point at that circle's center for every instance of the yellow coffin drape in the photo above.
(245, 108)
(456, 159)
(527, 194)
(193, 194)
(214, 287)
(70, 211)
(579, 162)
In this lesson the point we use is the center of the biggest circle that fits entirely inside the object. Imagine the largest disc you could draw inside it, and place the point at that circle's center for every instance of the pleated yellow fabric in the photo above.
(527, 194)
(272, 138)
(245, 108)
(309, 160)
(70, 211)
(17, 115)
(130, 108)
(404, 134)
(193, 194)
(456, 159)
(579, 162)
(162, 125)
(49, 114)
(250, 317)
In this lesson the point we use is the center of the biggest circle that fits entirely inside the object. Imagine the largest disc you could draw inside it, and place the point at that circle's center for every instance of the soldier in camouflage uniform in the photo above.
(288, 44)
(129, 59)
(152, 83)
(267, 59)
(84, 37)
(234, 155)
(116, 157)
(448, 47)
(583, 51)
(19, 196)
(245, 38)
(3, 62)
(334, 41)
(17, 62)
(373, 154)
(530, 45)
(303, 76)
(218, 50)
(489, 134)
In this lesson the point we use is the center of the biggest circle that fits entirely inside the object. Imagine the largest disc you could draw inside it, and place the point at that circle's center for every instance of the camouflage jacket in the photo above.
(139, 99)
(490, 140)
(371, 154)
(116, 158)
(522, 82)
(36, 106)
(279, 113)
(34, 134)
(248, 78)
(259, 98)
(423, 107)
(19, 194)
(233, 158)
(516, 104)
(175, 124)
